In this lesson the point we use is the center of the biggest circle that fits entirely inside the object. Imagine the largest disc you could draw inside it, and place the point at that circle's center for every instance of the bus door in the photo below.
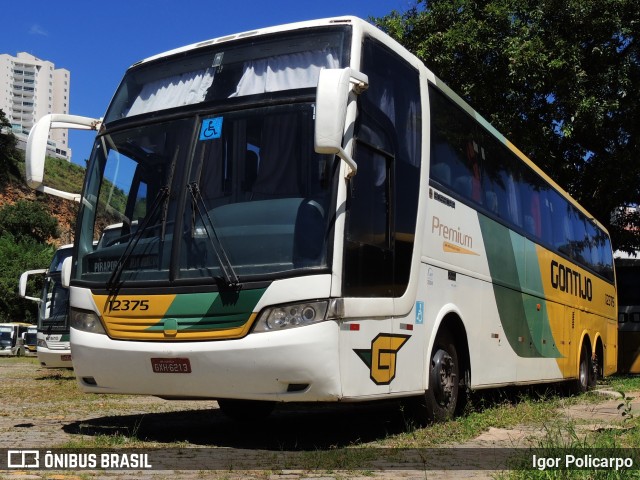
(382, 209)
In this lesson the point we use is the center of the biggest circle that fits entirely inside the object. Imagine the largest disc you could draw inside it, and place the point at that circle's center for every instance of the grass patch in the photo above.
(496, 408)
(621, 383)
(562, 437)
(567, 439)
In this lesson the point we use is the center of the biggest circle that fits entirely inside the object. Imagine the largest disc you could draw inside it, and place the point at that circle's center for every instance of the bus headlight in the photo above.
(85, 321)
(42, 343)
(291, 316)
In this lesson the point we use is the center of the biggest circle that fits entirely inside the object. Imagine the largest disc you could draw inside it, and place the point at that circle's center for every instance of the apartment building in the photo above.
(29, 89)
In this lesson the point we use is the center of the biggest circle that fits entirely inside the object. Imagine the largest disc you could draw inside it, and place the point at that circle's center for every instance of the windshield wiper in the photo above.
(162, 195)
(162, 198)
(229, 274)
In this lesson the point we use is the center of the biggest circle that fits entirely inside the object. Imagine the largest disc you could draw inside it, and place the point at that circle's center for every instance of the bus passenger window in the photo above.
(579, 241)
(441, 173)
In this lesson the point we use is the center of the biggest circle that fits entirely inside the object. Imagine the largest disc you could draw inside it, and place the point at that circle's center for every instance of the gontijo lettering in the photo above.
(570, 281)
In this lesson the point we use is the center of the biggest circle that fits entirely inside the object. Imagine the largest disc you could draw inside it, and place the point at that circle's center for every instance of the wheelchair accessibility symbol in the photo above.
(211, 128)
(419, 313)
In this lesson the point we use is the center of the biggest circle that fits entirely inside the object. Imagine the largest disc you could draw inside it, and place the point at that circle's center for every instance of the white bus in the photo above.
(30, 341)
(12, 339)
(319, 218)
(53, 344)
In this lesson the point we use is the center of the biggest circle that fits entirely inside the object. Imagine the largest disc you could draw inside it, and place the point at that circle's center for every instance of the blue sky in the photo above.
(97, 42)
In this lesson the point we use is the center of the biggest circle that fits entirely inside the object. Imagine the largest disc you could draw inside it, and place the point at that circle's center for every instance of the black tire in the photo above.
(585, 379)
(246, 410)
(441, 399)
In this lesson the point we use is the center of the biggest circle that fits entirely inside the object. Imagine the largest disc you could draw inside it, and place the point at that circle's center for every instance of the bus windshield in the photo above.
(5, 337)
(55, 305)
(627, 276)
(219, 189)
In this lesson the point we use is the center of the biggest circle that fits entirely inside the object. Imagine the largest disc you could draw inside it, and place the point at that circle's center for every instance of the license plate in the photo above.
(171, 365)
(65, 358)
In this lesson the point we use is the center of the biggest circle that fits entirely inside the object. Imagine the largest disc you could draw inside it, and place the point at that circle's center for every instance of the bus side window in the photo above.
(592, 252)
(531, 195)
(456, 154)
(441, 172)
(495, 183)
(579, 240)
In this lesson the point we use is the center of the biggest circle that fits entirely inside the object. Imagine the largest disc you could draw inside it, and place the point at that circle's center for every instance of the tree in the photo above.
(558, 78)
(8, 152)
(16, 258)
(27, 220)
(24, 228)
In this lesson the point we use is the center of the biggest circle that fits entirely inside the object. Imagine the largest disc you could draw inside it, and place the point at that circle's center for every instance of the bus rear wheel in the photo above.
(444, 380)
(246, 410)
(586, 377)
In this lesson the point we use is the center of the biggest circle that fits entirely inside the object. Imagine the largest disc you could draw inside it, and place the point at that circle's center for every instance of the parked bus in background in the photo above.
(30, 341)
(319, 218)
(54, 349)
(11, 339)
(628, 279)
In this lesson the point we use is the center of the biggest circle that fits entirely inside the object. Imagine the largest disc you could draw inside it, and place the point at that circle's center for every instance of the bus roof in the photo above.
(256, 32)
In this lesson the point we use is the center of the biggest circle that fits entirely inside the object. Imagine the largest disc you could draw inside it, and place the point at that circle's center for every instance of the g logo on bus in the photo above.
(381, 358)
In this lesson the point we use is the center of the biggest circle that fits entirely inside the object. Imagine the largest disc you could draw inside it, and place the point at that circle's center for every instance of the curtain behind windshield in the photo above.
(284, 72)
(287, 61)
(185, 89)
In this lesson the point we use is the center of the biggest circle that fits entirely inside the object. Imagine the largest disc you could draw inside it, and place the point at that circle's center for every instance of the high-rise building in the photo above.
(29, 89)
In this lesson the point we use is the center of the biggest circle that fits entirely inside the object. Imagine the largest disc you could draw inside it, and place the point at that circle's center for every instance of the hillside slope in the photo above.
(60, 174)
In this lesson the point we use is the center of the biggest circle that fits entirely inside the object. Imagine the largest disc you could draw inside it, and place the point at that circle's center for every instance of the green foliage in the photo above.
(16, 257)
(8, 152)
(625, 407)
(63, 175)
(24, 228)
(69, 177)
(27, 220)
(559, 79)
(26, 225)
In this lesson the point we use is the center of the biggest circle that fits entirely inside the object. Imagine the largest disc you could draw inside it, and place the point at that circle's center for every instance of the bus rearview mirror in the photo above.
(65, 272)
(22, 286)
(37, 149)
(332, 99)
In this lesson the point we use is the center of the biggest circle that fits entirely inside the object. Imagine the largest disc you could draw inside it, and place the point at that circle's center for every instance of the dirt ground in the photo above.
(43, 410)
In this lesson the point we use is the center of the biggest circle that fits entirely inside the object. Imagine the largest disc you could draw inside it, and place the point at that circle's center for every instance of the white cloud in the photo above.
(37, 30)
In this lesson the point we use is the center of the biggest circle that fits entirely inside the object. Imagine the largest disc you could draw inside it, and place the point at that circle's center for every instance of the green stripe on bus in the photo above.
(525, 325)
(212, 310)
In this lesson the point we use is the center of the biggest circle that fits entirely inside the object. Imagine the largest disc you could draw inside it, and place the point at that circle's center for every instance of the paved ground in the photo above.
(198, 426)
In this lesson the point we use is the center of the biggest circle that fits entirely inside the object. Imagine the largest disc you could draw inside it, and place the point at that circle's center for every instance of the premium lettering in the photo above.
(452, 234)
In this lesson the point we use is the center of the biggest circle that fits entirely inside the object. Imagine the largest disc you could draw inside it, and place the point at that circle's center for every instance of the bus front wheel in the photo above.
(444, 380)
